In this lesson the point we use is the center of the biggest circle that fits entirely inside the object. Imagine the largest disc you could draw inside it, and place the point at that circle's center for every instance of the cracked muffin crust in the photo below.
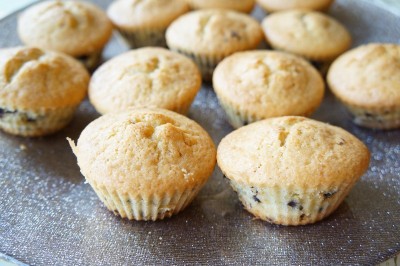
(146, 77)
(77, 28)
(292, 170)
(255, 85)
(145, 164)
(39, 90)
(310, 34)
(245, 6)
(280, 5)
(143, 23)
(367, 81)
(207, 36)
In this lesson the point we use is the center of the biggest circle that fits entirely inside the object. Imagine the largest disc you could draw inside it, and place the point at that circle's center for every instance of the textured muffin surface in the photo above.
(279, 5)
(292, 151)
(74, 27)
(368, 76)
(150, 77)
(238, 5)
(35, 79)
(263, 84)
(133, 14)
(311, 34)
(214, 31)
(145, 152)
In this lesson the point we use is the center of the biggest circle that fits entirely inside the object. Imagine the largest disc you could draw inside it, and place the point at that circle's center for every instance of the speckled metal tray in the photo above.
(49, 216)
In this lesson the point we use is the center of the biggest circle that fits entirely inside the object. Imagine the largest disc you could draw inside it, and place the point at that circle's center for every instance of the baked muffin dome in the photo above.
(292, 170)
(39, 90)
(145, 164)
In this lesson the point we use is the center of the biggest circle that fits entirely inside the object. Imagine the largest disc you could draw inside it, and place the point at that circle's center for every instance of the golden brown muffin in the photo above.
(255, 85)
(280, 5)
(310, 34)
(367, 81)
(245, 6)
(77, 28)
(146, 77)
(143, 23)
(39, 91)
(209, 35)
(145, 164)
(292, 170)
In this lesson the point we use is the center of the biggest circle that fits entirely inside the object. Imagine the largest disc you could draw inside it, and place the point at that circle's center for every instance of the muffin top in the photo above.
(269, 83)
(74, 27)
(146, 77)
(310, 34)
(133, 14)
(31, 78)
(368, 76)
(292, 151)
(211, 31)
(238, 5)
(279, 5)
(145, 151)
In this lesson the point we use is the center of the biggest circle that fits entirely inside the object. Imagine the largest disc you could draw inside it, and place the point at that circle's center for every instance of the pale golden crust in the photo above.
(144, 152)
(74, 27)
(238, 5)
(147, 77)
(310, 34)
(292, 151)
(31, 79)
(279, 5)
(266, 84)
(214, 32)
(368, 77)
(137, 14)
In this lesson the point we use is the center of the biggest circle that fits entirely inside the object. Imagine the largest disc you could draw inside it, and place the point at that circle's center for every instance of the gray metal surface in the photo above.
(49, 216)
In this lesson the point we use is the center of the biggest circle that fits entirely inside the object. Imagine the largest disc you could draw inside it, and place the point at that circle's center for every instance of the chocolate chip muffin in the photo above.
(209, 35)
(367, 81)
(255, 85)
(145, 77)
(77, 28)
(39, 90)
(145, 164)
(292, 170)
(143, 23)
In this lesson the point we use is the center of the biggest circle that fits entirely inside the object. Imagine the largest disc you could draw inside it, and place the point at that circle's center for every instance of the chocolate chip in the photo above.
(328, 195)
(235, 35)
(320, 209)
(6, 111)
(295, 204)
(256, 199)
(369, 115)
(302, 216)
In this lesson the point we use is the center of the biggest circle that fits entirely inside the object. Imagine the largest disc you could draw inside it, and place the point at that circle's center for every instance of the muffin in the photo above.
(280, 5)
(245, 6)
(310, 34)
(255, 85)
(77, 28)
(143, 23)
(146, 77)
(145, 164)
(367, 81)
(39, 90)
(208, 36)
(292, 170)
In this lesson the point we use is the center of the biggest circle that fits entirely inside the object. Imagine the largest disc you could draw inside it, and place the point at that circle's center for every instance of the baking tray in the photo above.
(49, 216)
